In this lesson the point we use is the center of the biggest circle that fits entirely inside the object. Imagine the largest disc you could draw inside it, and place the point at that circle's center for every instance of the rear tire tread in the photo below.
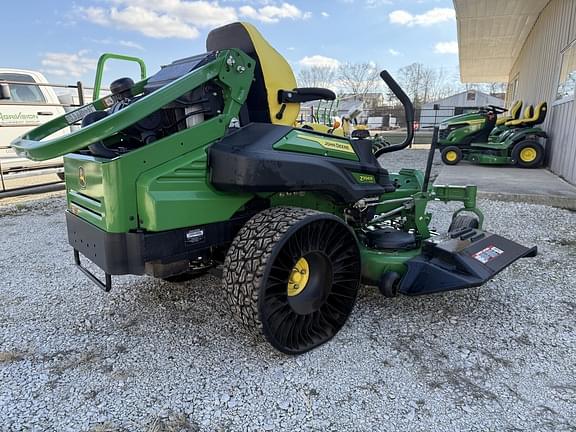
(248, 256)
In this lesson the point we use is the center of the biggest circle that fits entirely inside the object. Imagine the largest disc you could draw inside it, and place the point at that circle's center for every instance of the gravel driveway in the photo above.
(155, 356)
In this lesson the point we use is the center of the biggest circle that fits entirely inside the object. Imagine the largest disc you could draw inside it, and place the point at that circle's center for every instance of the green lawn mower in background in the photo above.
(485, 138)
(199, 167)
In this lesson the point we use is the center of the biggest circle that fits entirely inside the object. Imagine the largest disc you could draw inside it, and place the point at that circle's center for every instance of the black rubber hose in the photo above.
(408, 110)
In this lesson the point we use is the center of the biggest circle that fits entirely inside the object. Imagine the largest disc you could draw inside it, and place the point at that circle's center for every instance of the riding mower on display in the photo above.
(323, 119)
(200, 166)
(326, 120)
(483, 138)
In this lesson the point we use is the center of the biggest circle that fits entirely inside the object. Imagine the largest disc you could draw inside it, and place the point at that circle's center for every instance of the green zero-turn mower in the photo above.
(200, 166)
(484, 137)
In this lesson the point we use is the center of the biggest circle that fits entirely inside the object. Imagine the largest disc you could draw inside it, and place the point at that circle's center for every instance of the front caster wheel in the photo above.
(461, 222)
(389, 284)
(291, 276)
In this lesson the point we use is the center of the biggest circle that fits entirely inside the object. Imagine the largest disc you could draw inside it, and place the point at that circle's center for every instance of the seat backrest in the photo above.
(516, 109)
(271, 74)
(513, 113)
(539, 114)
(528, 114)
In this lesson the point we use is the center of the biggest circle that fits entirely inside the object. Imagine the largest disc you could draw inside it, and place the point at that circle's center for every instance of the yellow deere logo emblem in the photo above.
(82, 178)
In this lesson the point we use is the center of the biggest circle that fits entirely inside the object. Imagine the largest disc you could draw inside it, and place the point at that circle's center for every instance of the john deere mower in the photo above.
(199, 167)
(485, 138)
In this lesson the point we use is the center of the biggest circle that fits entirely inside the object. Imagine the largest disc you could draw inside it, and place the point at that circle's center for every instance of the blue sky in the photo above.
(64, 38)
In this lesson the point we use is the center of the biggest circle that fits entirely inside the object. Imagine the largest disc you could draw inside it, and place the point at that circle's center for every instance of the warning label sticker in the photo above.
(79, 114)
(487, 254)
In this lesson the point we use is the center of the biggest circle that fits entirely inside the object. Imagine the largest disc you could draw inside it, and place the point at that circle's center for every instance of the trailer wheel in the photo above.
(528, 154)
(451, 155)
(291, 276)
(463, 221)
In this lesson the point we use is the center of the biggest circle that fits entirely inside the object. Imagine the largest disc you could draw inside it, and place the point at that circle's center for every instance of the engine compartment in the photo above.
(192, 108)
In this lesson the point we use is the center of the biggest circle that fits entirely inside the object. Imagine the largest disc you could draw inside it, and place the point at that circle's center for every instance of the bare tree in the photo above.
(317, 76)
(359, 78)
(490, 88)
(424, 84)
(411, 79)
(496, 88)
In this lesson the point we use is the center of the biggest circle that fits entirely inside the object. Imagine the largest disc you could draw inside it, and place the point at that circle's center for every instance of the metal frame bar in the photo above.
(111, 56)
(106, 285)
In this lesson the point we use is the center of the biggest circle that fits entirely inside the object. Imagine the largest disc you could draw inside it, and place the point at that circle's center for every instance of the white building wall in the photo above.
(429, 117)
(537, 69)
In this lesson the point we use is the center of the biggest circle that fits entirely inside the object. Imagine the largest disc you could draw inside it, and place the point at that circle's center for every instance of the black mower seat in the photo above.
(531, 117)
(273, 97)
(513, 113)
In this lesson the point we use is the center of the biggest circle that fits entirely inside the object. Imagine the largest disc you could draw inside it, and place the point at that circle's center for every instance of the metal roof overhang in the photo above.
(491, 34)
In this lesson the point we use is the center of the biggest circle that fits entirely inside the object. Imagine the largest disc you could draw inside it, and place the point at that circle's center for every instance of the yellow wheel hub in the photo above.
(298, 277)
(528, 154)
(451, 156)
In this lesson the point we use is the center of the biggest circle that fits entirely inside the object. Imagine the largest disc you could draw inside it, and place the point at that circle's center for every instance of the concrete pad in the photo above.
(537, 186)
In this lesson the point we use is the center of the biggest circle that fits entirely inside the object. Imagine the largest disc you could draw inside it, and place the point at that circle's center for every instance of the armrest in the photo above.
(305, 94)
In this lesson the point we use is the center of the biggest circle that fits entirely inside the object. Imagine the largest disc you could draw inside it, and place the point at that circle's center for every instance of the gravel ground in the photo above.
(155, 356)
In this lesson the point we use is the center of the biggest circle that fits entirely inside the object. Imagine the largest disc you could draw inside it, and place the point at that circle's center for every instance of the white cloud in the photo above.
(319, 61)
(124, 43)
(273, 14)
(376, 3)
(181, 18)
(69, 65)
(146, 21)
(393, 52)
(325, 14)
(433, 16)
(446, 47)
(199, 13)
(130, 44)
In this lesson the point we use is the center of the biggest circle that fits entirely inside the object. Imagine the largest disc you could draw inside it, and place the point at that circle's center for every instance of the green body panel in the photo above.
(496, 145)
(409, 182)
(465, 124)
(310, 200)
(498, 129)
(457, 135)
(301, 141)
(175, 194)
(487, 159)
(521, 134)
(103, 197)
